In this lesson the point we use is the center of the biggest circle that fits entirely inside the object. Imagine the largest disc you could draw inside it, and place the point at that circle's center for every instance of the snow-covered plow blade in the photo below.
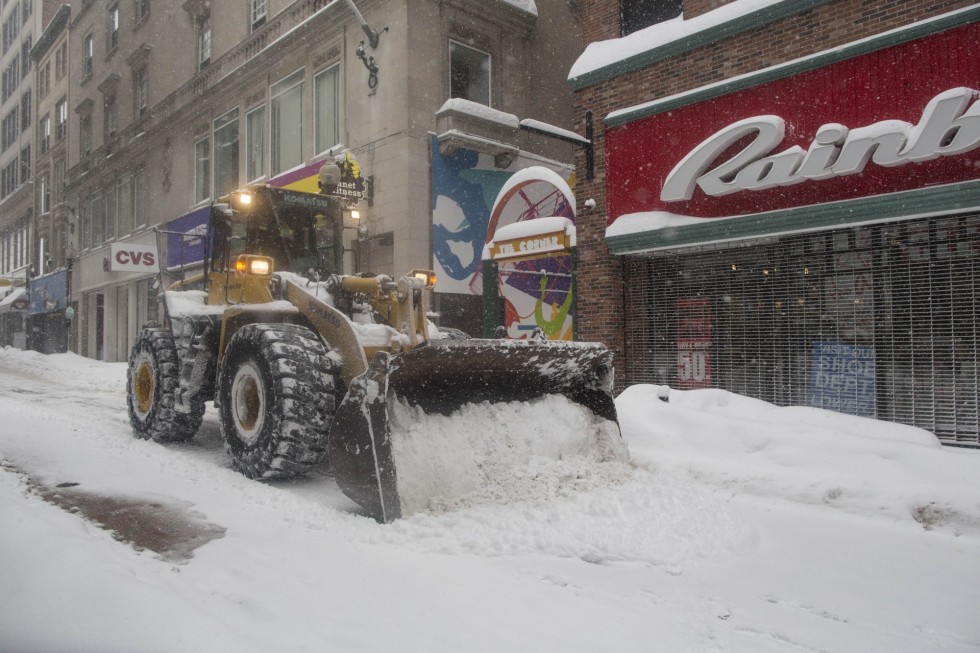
(431, 424)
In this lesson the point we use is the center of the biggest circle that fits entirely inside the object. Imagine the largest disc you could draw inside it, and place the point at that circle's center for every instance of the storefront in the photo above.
(809, 234)
(13, 318)
(113, 287)
(49, 314)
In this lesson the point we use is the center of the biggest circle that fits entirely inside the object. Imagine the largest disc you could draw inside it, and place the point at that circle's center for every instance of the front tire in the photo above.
(277, 398)
(151, 383)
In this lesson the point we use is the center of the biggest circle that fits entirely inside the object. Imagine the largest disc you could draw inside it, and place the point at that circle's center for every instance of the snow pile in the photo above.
(502, 453)
(806, 456)
(68, 370)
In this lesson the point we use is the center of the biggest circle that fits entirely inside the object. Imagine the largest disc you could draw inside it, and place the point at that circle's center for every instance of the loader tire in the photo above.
(151, 383)
(276, 398)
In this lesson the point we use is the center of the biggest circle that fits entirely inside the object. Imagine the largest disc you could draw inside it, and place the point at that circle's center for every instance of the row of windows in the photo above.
(115, 211)
(61, 127)
(18, 15)
(257, 16)
(14, 249)
(15, 173)
(16, 70)
(60, 70)
(217, 156)
(48, 194)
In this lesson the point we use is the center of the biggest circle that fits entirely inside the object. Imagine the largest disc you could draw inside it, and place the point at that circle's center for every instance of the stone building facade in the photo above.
(174, 104)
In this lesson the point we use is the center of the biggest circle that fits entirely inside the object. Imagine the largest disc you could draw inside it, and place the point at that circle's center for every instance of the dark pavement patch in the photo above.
(171, 530)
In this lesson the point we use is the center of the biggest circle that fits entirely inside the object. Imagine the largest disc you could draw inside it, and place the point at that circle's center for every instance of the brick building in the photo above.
(787, 200)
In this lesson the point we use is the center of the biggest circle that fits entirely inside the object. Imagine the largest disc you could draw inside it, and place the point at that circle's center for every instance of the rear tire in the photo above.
(276, 396)
(151, 383)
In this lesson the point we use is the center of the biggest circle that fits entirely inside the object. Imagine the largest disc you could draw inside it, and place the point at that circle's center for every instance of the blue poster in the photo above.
(49, 293)
(189, 249)
(842, 378)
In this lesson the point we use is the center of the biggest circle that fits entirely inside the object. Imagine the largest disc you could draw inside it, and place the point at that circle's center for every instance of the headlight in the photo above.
(427, 277)
(260, 266)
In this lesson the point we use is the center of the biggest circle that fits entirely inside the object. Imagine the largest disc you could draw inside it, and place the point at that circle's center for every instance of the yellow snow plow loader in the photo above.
(305, 365)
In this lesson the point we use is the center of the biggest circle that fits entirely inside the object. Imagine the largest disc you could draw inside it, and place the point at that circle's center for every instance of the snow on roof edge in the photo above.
(602, 54)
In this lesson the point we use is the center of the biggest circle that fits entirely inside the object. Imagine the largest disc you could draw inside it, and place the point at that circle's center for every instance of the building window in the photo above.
(88, 54)
(85, 135)
(11, 78)
(226, 153)
(60, 61)
(257, 11)
(255, 144)
(44, 80)
(25, 164)
(8, 178)
(25, 110)
(44, 193)
(84, 226)
(327, 108)
(202, 170)
(140, 91)
(97, 208)
(11, 27)
(636, 14)
(111, 224)
(58, 189)
(286, 131)
(61, 120)
(139, 199)
(110, 116)
(11, 128)
(112, 29)
(26, 9)
(204, 46)
(44, 134)
(142, 10)
(469, 73)
(25, 57)
(124, 206)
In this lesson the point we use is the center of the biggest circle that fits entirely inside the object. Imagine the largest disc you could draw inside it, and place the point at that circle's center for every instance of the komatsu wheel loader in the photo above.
(305, 365)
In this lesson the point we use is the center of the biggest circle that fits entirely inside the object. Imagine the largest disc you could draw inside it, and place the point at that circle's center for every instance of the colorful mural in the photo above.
(465, 188)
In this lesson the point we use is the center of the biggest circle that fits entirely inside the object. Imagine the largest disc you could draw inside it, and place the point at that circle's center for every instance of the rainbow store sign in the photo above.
(884, 129)
(950, 125)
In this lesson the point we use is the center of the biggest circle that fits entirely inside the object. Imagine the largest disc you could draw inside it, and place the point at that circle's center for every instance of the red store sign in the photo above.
(901, 118)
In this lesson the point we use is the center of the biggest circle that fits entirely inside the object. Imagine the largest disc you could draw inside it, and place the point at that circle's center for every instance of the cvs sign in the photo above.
(127, 257)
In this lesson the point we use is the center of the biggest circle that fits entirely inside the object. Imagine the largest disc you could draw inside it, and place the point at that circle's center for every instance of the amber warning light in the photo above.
(428, 277)
(256, 265)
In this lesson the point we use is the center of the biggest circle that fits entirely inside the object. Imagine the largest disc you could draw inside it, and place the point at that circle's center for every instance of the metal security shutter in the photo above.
(877, 321)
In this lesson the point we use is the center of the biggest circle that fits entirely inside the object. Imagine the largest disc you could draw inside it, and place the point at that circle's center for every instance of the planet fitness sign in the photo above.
(905, 117)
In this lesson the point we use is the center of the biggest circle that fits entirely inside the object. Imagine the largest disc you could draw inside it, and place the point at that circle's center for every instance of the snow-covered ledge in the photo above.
(466, 124)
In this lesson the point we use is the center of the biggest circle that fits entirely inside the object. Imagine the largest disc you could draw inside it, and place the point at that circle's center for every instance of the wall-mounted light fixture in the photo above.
(373, 39)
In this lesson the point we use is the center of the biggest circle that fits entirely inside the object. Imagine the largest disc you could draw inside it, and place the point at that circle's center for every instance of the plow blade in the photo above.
(391, 451)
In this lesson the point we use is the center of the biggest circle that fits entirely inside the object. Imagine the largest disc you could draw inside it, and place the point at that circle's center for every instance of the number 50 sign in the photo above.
(693, 343)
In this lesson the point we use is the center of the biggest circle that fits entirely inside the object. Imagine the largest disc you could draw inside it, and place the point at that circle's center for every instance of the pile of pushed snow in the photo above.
(68, 369)
(546, 477)
(805, 455)
(501, 453)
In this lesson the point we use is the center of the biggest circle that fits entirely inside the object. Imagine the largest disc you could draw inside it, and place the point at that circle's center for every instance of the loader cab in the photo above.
(300, 231)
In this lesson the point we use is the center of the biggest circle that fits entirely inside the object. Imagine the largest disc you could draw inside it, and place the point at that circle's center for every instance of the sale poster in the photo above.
(693, 343)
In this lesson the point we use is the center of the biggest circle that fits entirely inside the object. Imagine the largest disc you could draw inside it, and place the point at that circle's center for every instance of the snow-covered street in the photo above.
(738, 527)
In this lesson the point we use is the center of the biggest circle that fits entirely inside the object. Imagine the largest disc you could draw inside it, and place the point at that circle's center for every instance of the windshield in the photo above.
(301, 232)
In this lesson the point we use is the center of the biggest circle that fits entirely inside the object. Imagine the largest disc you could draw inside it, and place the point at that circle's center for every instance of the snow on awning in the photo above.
(17, 300)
